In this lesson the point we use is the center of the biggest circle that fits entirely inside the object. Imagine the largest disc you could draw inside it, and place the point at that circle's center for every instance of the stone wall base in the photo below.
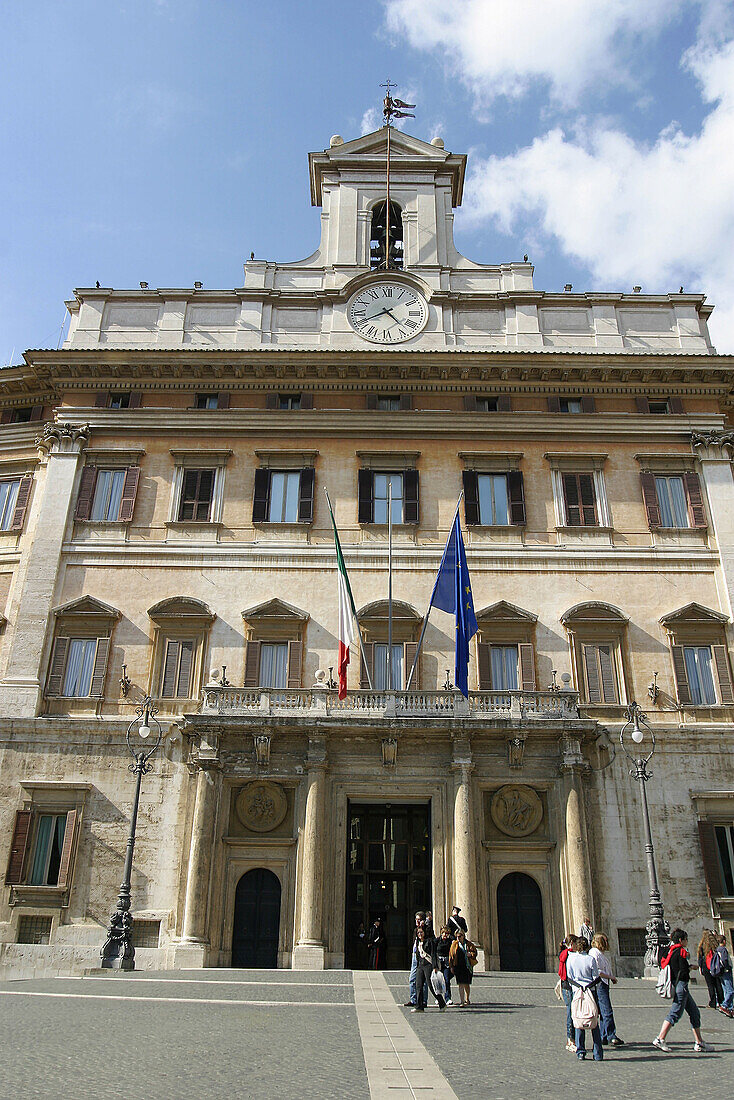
(309, 957)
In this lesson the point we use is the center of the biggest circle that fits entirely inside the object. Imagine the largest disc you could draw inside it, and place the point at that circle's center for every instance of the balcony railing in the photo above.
(319, 702)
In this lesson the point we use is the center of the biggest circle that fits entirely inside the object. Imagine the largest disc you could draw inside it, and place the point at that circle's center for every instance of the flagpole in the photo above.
(428, 609)
(354, 613)
(389, 582)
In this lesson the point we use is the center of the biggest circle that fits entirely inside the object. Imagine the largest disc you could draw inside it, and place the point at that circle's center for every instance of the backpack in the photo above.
(664, 987)
(584, 1009)
(717, 964)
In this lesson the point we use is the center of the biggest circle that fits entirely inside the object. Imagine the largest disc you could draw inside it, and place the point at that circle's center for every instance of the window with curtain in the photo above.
(381, 484)
(8, 500)
(284, 494)
(79, 668)
(493, 506)
(379, 673)
(108, 489)
(207, 401)
(700, 674)
(570, 404)
(47, 851)
(672, 502)
(289, 402)
(503, 667)
(274, 665)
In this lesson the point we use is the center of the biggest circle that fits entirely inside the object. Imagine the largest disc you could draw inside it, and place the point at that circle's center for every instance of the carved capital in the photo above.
(63, 439)
(713, 446)
(572, 758)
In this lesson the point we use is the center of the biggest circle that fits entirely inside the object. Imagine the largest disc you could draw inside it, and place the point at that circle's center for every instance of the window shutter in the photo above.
(484, 666)
(67, 849)
(410, 496)
(21, 503)
(136, 399)
(271, 401)
(129, 492)
(608, 679)
(223, 399)
(642, 405)
(305, 495)
(504, 403)
(681, 676)
(260, 499)
(650, 499)
(516, 497)
(527, 666)
(170, 663)
(102, 399)
(409, 650)
(86, 492)
(18, 845)
(366, 506)
(371, 401)
(588, 499)
(184, 686)
(306, 401)
(37, 412)
(695, 499)
(675, 405)
(470, 402)
(721, 660)
(57, 665)
(100, 666)
(295, 651)
(588, 404)
(710, 856)
(7, 416)
(252, 664)
(367, 651)
(406, 402)
(571, 496)
(593, 687)
(471, 497)
(554, 403)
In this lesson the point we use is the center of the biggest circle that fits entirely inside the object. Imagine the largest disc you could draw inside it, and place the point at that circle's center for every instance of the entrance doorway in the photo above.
(388, 876)
(520, 923)
(256, 920)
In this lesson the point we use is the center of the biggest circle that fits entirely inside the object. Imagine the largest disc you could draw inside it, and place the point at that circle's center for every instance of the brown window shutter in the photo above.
(593, 686)
(409, 651)
(527, 666)
(368, 651)
(406, 402)
(306, 402)
(695, 499)
(170, 664)
(18, 846)
(710, 856)
(571, 498)
(484, 666)
(471, 497)
(100, 666)
(136, 399)
(260, 499)
(470, 402)
(608, 679)
(675, 405)
(21, 503)
(588, 499)
(516, 497)
(305, 495)
(554, 403)
(37, 412)
(86, 492)
(57, 665)
(271, 401)
(184, 686)
(366, 505)
(642, 405)
(721, 659)
(295, 654)
(650, 499)
(7, 416)
(252, 664)
(129, 492)
(504, 403)
(681, 676)
(371, 401)
(588, 404)
(223, 399)
(411, 509)
(102, 399)
(67, 849)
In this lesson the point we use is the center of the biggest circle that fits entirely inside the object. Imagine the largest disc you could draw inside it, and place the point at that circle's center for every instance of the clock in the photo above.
(387, 312)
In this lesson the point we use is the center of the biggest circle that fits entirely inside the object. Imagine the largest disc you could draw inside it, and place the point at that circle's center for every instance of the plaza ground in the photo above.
(333, 1035)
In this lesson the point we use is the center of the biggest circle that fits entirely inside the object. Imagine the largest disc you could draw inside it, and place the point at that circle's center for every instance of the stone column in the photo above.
(38, 569)
(578, 875)
(714, 452)
(465, 844)
(309, 953)
(193, 949)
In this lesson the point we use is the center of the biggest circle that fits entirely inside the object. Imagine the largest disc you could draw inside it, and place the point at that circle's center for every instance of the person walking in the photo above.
(427, 967)
(461, 954)
(377, 945)
(586, 932)
(567, 946)
(706, 947)
(428, 922)
(599, 949)
(725, 977)
(456, 922)
(680, 972)
(583, 972)
(419, 922)
(443, 947)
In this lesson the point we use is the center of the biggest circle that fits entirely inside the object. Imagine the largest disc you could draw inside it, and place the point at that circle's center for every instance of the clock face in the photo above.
(387, 312)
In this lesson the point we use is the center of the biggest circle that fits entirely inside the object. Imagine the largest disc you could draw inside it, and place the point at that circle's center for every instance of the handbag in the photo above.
(584, 1009)
(438, 984)
(664, 986)
(557, 990)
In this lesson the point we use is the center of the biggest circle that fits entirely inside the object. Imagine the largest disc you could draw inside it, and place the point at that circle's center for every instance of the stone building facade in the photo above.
(165, 532)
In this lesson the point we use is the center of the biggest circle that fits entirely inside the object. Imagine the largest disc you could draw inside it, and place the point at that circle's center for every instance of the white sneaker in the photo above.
(661, 1045)
(701, 1048)
(449, 1001)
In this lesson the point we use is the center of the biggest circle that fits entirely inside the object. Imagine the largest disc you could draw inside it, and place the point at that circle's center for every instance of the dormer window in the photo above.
(377, 237)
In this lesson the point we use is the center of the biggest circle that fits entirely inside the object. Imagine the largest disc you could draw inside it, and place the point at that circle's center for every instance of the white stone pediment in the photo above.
(88, 607)
(502, 611)
(275, 609)
(693, 613)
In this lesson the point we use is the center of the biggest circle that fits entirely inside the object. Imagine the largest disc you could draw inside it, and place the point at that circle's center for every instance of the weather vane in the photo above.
(391, 108)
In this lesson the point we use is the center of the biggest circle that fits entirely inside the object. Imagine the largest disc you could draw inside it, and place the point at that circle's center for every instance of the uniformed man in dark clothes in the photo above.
(456, 922)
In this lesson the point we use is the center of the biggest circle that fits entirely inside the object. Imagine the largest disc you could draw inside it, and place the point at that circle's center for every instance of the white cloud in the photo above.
(371, 120)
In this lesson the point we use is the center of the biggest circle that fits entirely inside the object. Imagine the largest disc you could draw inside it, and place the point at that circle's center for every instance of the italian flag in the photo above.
(347, 612)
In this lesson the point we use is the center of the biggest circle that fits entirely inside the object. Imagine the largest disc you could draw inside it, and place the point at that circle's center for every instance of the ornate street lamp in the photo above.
(118, 952)
(639, 731)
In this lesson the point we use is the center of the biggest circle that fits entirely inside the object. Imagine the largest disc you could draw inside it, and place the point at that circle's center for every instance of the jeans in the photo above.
(728, 986)
(683, 1001)
(608, 1027)
(446, 971)
(413, 983)
(567, 994)
(596, 1038)
(424, 978)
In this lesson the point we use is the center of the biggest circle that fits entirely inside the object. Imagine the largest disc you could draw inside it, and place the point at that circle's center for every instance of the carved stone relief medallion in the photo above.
(261, 806)
(516, 810)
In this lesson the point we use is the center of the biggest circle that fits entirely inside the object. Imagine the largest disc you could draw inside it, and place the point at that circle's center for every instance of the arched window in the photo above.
(377, 238)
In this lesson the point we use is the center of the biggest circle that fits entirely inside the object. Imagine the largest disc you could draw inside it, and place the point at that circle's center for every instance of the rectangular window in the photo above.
(632, 943)
(49, 844)
(289, 401)
(196, 495)
(119, 401)
(207, 401)
(700, 674)
(580, 500)
(672, 502)
(34, 929)
(8, 500)
(284, 496)
(79, 668)
(570, 404)
(659, 408)
(493, 499)
(388, 404)
(108, 488)
(503, 667)
(177, 669)
(274, 665)
(600, 674)
(486, 404)
(725, 843)
(146, 933)
(381, 483)
(379, 674)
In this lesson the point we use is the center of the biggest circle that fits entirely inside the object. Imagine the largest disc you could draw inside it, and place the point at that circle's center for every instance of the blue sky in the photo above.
(164, 140)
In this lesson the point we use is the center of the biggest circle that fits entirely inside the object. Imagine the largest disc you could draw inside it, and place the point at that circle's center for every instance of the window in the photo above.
(207, 401)
(388, 404)
(388, 486)
(570, 405)
(377, 237)
(659, 406)
(700, 655)
(283, 496)
(699, 674)
(179, 647)
(146, 933)
(49, 842)
(580, 500)
(44, 838)
(197, 493)
(107, 495)
(34, 929)
(600, 673)
(23, 415)
(493, 499)
(373, 489)
(119, 401)
(503, 667)
(597, 634)
(478, 403)
(289, 401)
(177, 668)
(273, 664)
(283, 502)
(8, 501)
(563, 404)
(724, 835)
(673, 500)
(78, 667)
(402, 656)
(379, 670)
(632, 942)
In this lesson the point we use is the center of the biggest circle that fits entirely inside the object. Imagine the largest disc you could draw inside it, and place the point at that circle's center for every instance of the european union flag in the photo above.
(452, 593)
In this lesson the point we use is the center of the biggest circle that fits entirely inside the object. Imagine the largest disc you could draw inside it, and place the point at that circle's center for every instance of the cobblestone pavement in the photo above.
(218, 1034)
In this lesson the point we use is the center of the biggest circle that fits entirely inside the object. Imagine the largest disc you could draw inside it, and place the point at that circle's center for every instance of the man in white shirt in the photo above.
(582, 970)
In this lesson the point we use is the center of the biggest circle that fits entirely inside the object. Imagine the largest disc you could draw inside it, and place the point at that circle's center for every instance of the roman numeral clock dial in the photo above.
(387, 312)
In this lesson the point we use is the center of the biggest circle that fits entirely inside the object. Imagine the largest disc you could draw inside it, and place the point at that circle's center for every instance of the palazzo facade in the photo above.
(164, 531)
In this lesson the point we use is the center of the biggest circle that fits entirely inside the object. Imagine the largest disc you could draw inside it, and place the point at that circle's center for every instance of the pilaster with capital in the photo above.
(199, 870)
(309, 953)
(578, 870)
(465, 843)
(714, 451)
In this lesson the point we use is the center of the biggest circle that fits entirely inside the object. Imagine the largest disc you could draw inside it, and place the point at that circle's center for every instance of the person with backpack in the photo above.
(720, 967)
(583, 975)
(567, 946)
(706, 947)
(680, 972)
(599, 947)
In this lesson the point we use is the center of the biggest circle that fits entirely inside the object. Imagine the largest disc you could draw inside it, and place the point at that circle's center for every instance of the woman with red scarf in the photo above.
(680, 972)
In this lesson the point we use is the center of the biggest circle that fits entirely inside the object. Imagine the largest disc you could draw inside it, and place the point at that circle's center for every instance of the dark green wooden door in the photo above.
(520, 923)
(256, 920)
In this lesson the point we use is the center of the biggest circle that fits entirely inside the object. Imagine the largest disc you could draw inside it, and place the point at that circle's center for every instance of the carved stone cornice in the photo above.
(572, 757)
(67, 439)
(713, 446)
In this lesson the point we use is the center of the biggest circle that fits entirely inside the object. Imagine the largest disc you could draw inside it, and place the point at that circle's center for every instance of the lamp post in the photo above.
(118, 952)
(639, 731)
